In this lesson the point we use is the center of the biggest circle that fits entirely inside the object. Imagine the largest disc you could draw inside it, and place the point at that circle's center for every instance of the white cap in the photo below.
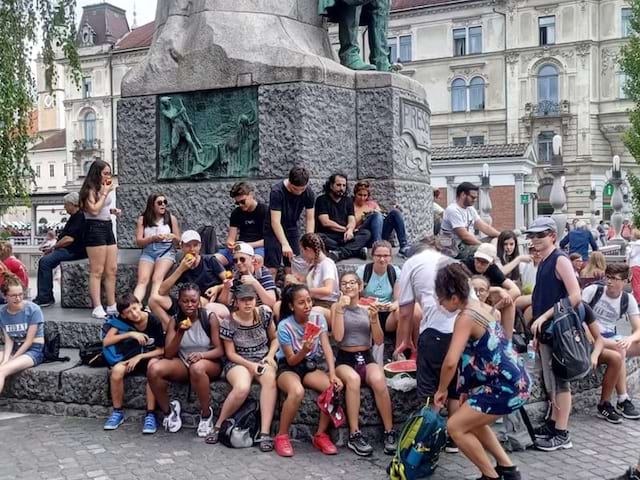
(190, 236)
(243, 247)
(486, 251)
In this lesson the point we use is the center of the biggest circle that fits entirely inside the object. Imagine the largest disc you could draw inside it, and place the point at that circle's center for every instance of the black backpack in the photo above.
(91, 355)
(624, 301)
(571, 351)
(51, 350)
(368, 271)
(239, 430)
(209, 240)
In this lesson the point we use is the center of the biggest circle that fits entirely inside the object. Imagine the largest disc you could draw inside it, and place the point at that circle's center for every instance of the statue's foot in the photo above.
(383, 65)
(357, 64)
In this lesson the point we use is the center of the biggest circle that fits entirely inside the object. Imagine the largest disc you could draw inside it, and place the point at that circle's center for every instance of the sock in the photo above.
(112, 307)
(622, 397)
(552, 423)
(561, 432)
(512, 468)
(151, 412)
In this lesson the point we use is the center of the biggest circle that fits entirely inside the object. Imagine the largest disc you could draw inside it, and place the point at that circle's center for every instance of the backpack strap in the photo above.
(204, 321)
(368, 271)
(598, 295)
(391, 273)
(624, 303)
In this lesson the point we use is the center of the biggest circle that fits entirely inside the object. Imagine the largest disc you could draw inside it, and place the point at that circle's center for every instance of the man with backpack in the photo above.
(610, 304)
(555, 281)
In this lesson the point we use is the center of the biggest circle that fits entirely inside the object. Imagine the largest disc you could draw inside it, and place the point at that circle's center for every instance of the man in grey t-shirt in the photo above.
(459, 222)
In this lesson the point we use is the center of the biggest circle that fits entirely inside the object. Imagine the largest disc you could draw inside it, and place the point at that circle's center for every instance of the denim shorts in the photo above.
(98, 233)
(228, 254)
(158, 251)
(35, 352)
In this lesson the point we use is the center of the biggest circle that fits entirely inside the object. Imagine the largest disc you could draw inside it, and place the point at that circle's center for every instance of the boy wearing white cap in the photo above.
(204, 271)
(483, 263)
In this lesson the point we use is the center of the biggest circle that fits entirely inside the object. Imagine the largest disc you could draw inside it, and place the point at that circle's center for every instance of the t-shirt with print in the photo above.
(418, 284)
(17, 324)
(339, 212)
(251, 342)
(458, 217)
(322, 271)
(378, 286)
(205, 275)
(250, 225)
(289, 204)
(290, 334)
(493, 272)
(607, 309)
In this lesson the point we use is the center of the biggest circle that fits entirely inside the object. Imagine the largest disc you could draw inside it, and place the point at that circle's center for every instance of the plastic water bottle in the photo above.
(415, 454)
(531, 354)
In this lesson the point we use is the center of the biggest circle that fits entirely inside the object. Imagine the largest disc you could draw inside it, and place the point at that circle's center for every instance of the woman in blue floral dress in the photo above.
(492, 378)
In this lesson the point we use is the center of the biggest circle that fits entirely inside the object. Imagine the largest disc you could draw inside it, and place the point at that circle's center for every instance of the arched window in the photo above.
(548, 89)
(458, 95)
(89, 127)
(544, 194)
(476, 93)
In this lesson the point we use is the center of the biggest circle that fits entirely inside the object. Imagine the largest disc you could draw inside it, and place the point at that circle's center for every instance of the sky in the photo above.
(145, 9)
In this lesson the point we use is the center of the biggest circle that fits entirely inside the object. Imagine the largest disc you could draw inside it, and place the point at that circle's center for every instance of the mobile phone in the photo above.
(260, 370)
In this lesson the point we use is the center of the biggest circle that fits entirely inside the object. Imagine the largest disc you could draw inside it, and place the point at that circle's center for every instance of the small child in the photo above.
(148, 332)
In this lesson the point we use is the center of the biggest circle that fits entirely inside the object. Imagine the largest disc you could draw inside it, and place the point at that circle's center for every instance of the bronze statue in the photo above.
(349, 15)
(181, 128)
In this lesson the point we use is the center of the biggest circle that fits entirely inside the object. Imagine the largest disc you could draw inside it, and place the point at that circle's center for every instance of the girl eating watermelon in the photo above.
(302, 333)
(355, 323)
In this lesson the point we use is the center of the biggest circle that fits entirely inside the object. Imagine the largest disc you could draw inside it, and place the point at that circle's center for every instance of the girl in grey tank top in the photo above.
(354, 327)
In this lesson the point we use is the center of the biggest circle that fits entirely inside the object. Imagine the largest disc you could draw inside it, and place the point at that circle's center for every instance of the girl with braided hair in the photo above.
(322, 279)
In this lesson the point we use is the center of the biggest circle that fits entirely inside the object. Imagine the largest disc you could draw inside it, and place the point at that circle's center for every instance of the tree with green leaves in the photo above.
(25, 27)
(630, 63)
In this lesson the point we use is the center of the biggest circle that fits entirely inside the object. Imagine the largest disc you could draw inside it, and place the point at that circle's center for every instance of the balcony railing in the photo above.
(86, 145)
(547, 108)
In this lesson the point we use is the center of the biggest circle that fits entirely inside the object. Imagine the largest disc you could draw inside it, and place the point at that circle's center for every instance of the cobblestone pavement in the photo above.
(63, 448)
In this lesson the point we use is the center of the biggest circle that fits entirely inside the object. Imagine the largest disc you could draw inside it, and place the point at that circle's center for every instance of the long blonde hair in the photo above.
(596, 266)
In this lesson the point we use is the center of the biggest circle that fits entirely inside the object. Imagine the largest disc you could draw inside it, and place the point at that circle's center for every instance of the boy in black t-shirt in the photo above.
(246, 223)
(148, 333)
(281, 236)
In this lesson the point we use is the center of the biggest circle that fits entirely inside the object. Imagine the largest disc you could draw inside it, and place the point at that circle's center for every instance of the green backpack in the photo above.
(422, 440)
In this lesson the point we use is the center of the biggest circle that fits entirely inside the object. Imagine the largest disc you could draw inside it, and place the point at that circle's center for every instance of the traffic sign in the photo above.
(524, 199)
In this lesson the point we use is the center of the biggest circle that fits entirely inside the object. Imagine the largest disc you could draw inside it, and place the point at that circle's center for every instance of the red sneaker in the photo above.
(282, 445)
(323, 443)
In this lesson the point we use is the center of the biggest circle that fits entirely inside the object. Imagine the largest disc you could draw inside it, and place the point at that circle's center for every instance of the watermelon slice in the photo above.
(400, 366)
(310, 331)
(367, 301)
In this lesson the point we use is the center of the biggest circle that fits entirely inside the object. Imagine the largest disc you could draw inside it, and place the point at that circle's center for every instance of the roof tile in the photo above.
(479, 151)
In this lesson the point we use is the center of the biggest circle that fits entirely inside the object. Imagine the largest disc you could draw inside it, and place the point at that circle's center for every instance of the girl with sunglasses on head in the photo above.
(22, 326)
(157, 233)
(355, 328)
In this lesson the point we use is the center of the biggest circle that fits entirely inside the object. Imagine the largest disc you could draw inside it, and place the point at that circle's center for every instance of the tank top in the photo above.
(158, 229)
(549, 288)
(357, 329)
(105, 212)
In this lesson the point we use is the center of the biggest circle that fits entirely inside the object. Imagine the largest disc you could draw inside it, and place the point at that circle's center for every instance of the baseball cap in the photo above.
(245, 291)
(486, 251)
(190, 235)
(243, 247)
(542, 224)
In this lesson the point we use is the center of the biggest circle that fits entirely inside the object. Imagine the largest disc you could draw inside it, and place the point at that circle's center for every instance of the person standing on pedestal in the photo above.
(336, 221)
(98, 204)
(69, 247)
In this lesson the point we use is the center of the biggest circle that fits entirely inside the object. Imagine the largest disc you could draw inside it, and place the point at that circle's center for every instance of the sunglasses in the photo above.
(240, 259)
(160, 203)
(241, 202)
(544, 234)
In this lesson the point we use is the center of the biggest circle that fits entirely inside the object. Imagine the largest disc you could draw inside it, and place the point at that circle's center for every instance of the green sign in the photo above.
(608, 190)
(524, 199)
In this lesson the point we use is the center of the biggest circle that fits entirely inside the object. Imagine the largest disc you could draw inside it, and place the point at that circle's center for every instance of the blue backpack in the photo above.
(123, 350)
(422, 439)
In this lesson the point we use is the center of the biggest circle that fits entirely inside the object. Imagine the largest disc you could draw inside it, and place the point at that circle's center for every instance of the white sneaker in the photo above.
(112, 309)
(172, 422)
(99, 313)
(205, 427)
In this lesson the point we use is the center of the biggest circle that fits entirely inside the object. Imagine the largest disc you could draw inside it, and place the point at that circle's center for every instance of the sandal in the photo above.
(212, 438)
(265, 442)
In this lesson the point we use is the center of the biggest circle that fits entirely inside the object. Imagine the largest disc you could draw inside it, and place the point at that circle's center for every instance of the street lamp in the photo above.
(592, 197)
(485, 196)
(557, 196)
(617, 202)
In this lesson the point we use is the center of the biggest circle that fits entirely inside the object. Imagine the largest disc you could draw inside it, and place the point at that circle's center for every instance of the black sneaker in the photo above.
(631, 474)
(608, 413)
(508, 473)
(628, 410)
(553, 443)
(390, 442)
(43, 303)
(359, 444)
(362, 253)
(450, 446)
(334, 255)
(547, 429)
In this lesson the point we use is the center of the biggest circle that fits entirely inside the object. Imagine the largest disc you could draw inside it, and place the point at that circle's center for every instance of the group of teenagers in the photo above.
(222, 314)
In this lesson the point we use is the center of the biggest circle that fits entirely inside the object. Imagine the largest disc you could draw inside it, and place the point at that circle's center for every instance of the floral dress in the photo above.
(492, 375)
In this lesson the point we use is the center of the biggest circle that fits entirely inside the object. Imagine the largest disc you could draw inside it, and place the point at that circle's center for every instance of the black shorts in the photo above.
(273, 250)
(98, 233)
(139, 370)
(356, 360)
(432, 348)
(304, 367)
(383, 317)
